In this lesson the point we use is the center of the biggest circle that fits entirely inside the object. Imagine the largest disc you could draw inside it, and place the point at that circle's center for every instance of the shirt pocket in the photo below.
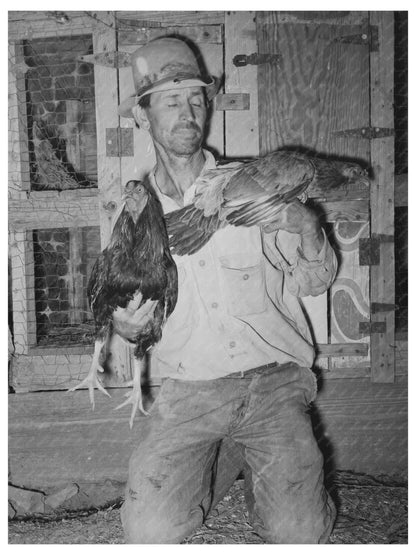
(244, 283)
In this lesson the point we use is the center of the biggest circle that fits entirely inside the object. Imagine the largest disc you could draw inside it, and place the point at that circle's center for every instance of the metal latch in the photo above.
(119, 141)
(368, 36)
(369, 248)
(365, 132)
(255, 59)
(112, 58)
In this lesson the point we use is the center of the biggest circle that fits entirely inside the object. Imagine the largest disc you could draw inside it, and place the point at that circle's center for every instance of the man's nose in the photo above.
(187, 112)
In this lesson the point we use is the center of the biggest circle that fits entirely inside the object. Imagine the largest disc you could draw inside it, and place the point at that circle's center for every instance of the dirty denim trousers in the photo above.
(173, 471)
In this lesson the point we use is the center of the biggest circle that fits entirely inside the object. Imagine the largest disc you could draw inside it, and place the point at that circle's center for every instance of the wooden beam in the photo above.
(48, 209)
(342, 349)
(382, 193)
(241, 128)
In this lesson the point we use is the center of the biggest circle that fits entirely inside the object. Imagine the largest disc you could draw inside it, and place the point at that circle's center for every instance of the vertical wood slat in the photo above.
(23, 290)
(106, 96)
(382, 194)
(108, 169)
(19, 175)
(241, 128)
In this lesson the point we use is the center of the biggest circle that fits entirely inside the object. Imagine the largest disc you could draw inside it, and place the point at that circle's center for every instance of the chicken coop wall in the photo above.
(43, 209)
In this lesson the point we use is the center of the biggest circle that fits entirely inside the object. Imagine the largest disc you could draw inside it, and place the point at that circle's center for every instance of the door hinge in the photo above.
(368, 328)
(111, 58)
(255, 59)
(369, 248)
(368, 36)
(119, 141)
(365, 132)
(232, 101)
(382, 307)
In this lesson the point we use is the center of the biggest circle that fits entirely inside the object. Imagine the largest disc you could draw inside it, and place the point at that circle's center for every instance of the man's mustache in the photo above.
(187, 125)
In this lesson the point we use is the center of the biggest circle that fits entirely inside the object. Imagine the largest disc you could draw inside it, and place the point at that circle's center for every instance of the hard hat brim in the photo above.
(212, 87)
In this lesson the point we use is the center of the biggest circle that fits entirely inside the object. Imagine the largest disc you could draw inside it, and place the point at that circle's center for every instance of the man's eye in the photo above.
(172, 104)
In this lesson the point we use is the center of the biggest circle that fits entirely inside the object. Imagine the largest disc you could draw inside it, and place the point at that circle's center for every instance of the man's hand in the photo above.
(128, 322)
(298, 218)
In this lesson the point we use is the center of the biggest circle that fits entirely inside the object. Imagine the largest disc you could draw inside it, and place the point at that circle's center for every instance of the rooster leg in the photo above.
(92, 381)
(135, 396)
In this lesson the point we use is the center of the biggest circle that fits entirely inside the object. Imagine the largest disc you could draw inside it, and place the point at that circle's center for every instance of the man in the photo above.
(236, 353)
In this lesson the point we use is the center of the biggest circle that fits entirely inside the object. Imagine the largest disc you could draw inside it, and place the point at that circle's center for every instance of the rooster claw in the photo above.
(91, 382)
(133, 398)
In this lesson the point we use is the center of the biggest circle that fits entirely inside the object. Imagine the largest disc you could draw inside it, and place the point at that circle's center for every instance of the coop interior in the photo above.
(69, 154)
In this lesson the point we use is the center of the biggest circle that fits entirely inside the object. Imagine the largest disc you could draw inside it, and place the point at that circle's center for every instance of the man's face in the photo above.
(177, 119)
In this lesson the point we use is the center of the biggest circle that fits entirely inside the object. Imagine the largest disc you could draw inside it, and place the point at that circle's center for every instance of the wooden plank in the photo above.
(207, 34)
(382, 193)
(365, 426)
(55, 438)
(241, 129)
(47, 209)
(19, 171)
(332, 17)
(346, 373)
(341, 349)
(357, 191)
(23, 294)
(187, 17)
(106, 88)
(40, 24)
(320, 86)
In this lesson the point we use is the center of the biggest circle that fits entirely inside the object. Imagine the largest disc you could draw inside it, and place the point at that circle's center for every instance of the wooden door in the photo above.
(323, 93)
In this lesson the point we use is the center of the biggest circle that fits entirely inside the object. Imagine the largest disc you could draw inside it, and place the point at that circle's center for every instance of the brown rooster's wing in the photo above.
(248, 194)
(189, 229)
(281, 171)
(257, 193)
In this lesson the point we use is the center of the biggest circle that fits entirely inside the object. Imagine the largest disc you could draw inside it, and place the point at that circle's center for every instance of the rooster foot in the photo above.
(134, 398)
(92, 382)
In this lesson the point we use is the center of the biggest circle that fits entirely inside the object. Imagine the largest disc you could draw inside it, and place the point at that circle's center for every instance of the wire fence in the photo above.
(55, 121)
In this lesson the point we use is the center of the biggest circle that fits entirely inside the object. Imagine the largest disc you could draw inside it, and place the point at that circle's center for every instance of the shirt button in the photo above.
(246, 276)
(202, 262)
(232, 344)
(214, 305)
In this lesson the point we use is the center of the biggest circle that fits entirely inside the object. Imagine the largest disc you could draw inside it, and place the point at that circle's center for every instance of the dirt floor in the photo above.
(371, 510)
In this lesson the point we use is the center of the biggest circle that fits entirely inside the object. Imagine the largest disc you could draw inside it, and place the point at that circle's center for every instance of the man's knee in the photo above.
(294, 528)
(148, 525)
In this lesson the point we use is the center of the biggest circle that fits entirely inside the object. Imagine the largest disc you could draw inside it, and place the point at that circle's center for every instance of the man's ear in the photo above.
(140, 117)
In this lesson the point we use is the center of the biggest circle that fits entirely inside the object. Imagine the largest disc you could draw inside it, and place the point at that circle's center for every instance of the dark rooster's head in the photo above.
(136, 197)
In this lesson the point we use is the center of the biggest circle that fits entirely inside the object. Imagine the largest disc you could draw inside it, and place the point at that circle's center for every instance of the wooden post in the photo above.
(382, 194)
(106, 94)
(241, 127)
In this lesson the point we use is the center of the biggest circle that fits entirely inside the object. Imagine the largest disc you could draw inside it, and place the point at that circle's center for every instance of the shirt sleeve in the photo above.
(305, 277)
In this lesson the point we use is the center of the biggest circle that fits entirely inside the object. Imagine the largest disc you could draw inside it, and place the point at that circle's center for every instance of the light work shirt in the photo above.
(238, 305)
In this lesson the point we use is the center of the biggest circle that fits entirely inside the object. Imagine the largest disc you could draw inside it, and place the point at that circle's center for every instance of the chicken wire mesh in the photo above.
(60, 113)
(57, 127)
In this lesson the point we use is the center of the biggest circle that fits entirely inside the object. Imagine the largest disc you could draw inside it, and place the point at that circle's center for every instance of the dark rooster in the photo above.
(253, 194)
(135, 267)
